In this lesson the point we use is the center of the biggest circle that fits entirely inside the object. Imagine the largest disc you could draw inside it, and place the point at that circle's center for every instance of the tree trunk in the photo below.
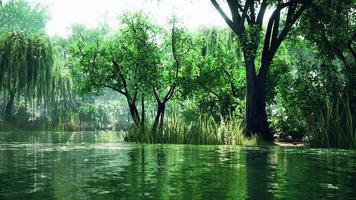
(250, 96)
(158, 122)
(256, 116)
(9, 106)
(163, 108)
(261, 123)
(155, 122)
(143, 115)
(134, 113)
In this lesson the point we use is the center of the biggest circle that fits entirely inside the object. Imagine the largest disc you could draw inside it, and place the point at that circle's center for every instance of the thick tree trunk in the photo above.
(9, 106)
(250, 96)
(258, 119)
(256, 116)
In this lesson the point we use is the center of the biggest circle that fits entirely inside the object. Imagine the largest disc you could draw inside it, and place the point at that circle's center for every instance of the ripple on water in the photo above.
(81, 166)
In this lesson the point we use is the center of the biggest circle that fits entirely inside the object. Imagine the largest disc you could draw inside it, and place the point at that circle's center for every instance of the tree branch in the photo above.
(236, 6)
(176, 62)
(272, 44)
(156, 95)
(117, 90)
(223, 14)
(261, 13)
(252, 11)
(349, 45)
(117, 67)
(233, 88)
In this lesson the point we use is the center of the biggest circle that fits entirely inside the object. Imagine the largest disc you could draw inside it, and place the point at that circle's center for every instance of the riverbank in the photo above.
(288, 144)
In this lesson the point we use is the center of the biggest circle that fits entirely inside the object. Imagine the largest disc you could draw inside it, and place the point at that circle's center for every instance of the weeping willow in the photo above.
(61, 94)
(61, 87)
(26, 68)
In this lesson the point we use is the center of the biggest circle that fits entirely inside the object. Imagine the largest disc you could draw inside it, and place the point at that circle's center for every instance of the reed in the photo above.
(204, 131)
(336, 126)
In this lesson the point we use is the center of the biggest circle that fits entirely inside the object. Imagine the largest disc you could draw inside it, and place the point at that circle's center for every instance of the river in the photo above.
(98, 166)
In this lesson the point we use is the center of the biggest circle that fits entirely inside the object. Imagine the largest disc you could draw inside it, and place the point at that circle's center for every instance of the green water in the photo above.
(98, 166)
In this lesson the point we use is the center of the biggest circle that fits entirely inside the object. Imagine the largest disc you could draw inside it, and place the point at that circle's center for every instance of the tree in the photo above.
(132, 63)
(176, 57)
(18, 15)
(25, 68)
(121, 63)
(63, 102)
(246, 22)
(19, 20)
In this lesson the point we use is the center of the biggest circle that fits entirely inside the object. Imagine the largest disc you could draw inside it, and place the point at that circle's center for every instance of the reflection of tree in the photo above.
(258, 175)
(176, 172)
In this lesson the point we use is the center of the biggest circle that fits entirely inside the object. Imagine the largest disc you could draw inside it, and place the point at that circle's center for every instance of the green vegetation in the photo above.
(203, 130)
(290, 76)
(19, 15)
(25, 69)
(336, 126)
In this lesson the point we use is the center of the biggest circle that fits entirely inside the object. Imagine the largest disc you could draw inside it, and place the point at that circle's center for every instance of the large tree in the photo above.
(19, 20)
(25, 68)
(247, 22)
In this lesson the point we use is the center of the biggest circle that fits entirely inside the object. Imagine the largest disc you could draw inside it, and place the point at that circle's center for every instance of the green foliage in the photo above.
(335, 128)
(216, 80)
(26, 65)
(16, 15)
(91, 116)
(204, 130)
(312, 98)
(331, 25)
(133, 48)
(136, 49)
(309, 90)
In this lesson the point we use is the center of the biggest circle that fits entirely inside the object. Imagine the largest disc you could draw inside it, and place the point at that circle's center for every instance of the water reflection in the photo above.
(95, 166)
(260, 176)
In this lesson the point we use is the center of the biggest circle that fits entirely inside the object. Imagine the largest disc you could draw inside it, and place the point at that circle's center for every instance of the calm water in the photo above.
(97, 166)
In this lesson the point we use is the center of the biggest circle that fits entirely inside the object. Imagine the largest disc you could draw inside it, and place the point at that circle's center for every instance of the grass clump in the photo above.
(204, 131)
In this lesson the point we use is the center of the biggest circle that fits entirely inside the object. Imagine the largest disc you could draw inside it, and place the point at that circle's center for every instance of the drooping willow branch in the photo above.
(26, 66)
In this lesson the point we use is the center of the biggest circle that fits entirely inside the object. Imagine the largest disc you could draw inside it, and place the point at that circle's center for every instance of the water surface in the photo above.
(99, 166)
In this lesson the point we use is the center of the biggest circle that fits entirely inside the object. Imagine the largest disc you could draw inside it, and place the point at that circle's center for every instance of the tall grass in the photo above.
(336, 126)
(205, 130)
